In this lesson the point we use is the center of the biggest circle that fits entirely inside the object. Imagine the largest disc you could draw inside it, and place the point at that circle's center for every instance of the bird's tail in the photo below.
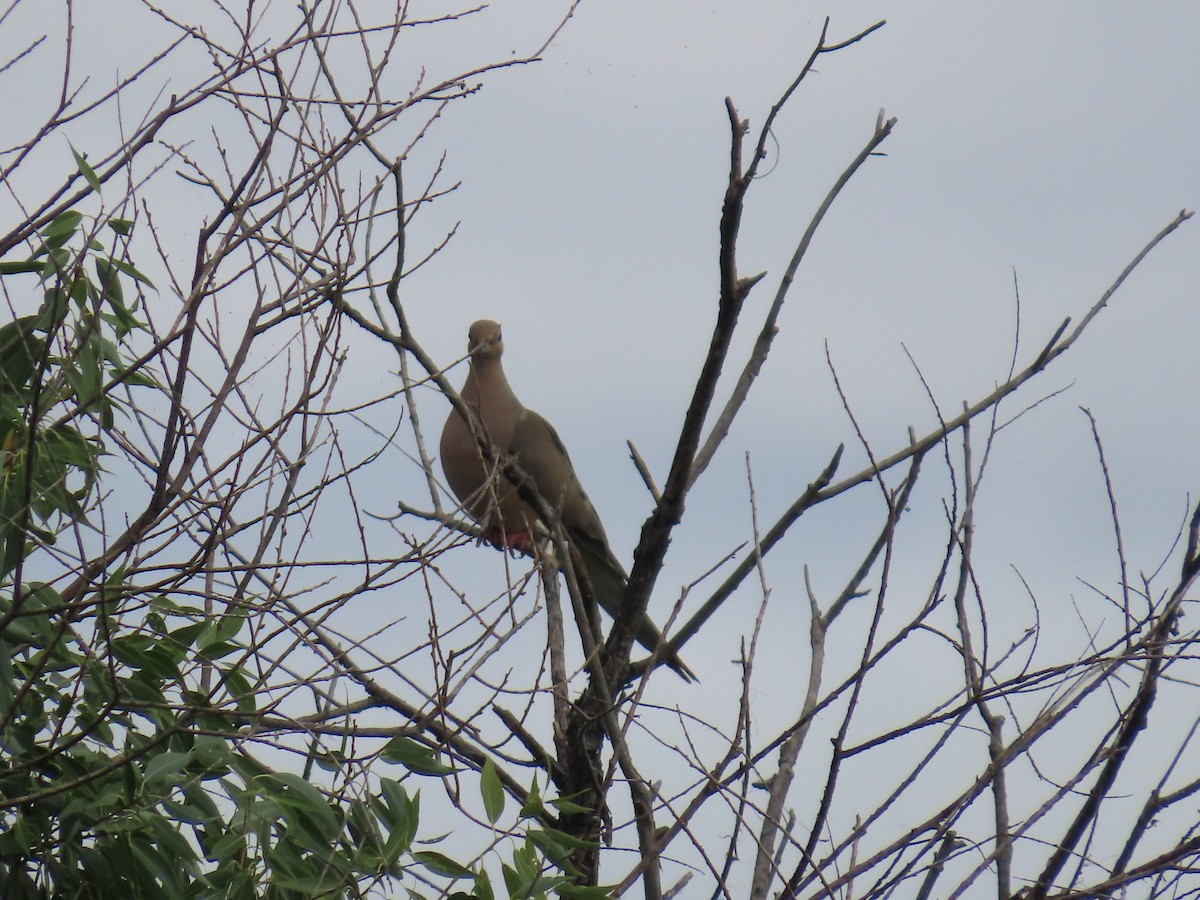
(608, 582)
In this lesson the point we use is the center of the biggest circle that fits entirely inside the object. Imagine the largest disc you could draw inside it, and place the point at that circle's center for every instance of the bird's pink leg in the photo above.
(520, 541)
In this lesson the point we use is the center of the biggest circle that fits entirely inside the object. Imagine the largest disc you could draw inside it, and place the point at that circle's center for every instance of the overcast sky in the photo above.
(1045, 141)
(1049, 141)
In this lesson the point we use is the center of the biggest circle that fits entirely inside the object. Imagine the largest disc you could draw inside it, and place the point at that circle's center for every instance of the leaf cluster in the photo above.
(129, 764)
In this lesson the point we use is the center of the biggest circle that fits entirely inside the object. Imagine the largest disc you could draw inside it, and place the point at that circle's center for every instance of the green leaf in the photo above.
(39, 595)
(517, 883)
(19, 266)
(198, 807)
(213, 652)
(441, 864)
(121, 226)
(157, 863)
(249, 769)
(184, 636)
(31, 626)
(95, 864)
(286, 859)
(85, 376)
(21, 348)
(133, 273)
(165, 770)
(583, 892)
(88, 173)
(166, 604)
(167, 838)
(533, 805)
(483, 886)
(414, 756)
(143, 692)
(229, 625)
(232, 843)
(568, 806)
(492, 791)
(139, 379)
(363, 827)
(67, 447)
(527, 862)
(211, 754)
(400, 814)
(110, 283)
(557, 845)
(62, 226)
(121, 824)
(131, 649)
(57, 260)
(7, 680)
(239, 688)
(123, 321)
(330, 760)
(299, 796)
(55, 306)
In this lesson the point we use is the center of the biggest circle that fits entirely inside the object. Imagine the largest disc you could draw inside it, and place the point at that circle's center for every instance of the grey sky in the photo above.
(1050, 139)
(1053, 140)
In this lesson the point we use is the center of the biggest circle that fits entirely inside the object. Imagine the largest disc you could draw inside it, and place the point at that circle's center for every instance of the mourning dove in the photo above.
(507, 520)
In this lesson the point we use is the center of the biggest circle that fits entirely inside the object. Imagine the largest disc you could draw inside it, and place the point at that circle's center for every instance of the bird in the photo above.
(509, 522)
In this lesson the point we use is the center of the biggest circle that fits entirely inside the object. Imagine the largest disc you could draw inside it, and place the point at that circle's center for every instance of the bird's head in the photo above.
(484, 341)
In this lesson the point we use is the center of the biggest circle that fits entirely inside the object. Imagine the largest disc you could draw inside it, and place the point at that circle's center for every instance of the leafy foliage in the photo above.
(126, 717)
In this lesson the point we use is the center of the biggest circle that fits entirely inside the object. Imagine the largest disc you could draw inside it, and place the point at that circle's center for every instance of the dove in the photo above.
(517, 433)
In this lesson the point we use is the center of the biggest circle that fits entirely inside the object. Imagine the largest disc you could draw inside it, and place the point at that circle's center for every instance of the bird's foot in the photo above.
(520, 542)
